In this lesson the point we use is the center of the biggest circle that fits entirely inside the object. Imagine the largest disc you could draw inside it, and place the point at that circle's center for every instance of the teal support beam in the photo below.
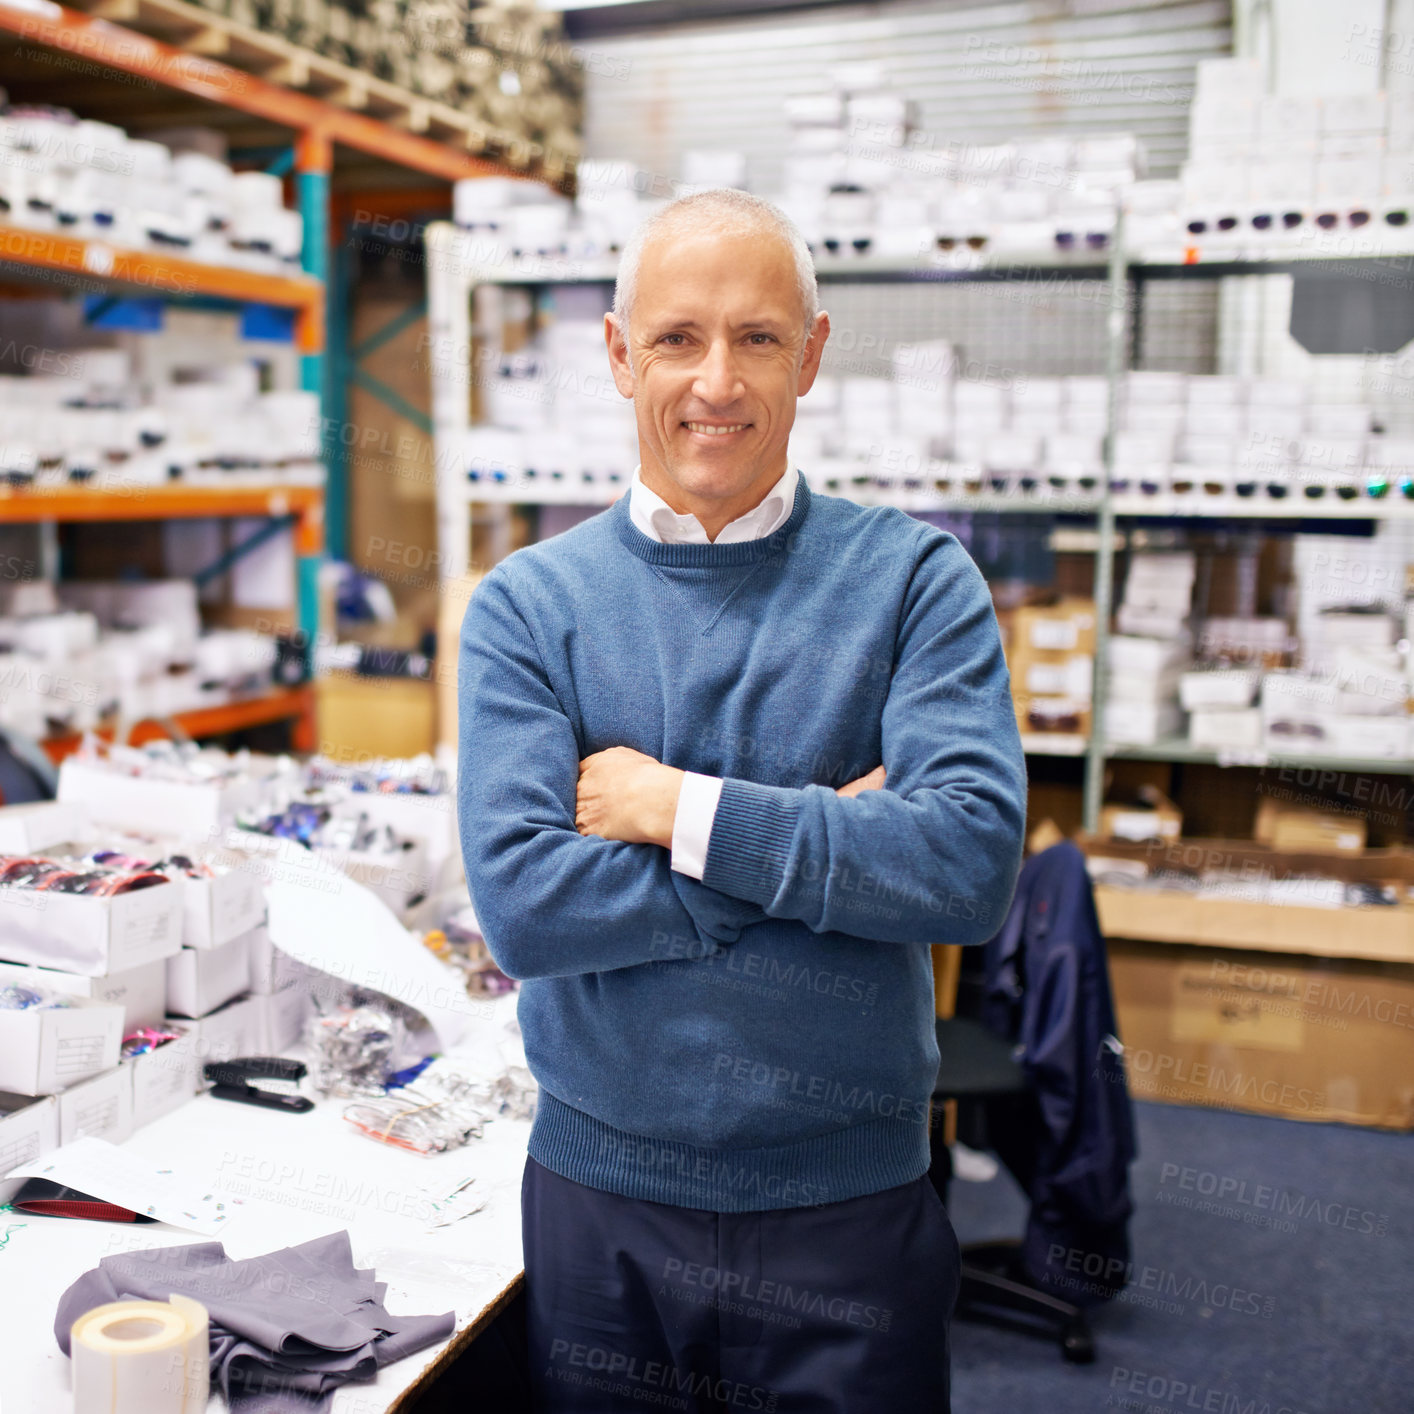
(339, 373)
(282, 164)
(313, 161)
(307, 569)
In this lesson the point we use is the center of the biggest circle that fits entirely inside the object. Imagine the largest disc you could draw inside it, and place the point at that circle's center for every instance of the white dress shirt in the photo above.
(697, 802)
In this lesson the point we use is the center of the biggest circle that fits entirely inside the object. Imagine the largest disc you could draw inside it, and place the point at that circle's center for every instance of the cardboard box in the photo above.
(431, 818)
(1067, 716)
(1244, 918)
(42, 1050)
(396, 877)
(1298, 1037)
(1141, 723)
(88, 935)
(1226, 729)
(217, 910)
(101, 1108)
(165, 1078)
(1067, 626)
(163, 808)
(140, 991)
(282, 1016)
(235, 1030)
(1053, 675)
(39, 825)
(201, 979)
(366, 718)
(1154, 818)
(1291, 830)
(28, 1129)
(1218, 688)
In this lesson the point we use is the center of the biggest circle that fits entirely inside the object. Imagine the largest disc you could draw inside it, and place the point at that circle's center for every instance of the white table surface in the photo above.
(297, 1177)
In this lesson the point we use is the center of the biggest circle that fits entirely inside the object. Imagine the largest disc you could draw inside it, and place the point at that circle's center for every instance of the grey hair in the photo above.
(724, 210)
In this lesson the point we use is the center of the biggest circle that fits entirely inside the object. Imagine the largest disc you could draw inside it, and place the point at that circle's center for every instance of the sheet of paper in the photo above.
(103, 1170)
(324, 919)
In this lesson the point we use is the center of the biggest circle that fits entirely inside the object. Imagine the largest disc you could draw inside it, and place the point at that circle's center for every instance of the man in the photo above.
(733, 755)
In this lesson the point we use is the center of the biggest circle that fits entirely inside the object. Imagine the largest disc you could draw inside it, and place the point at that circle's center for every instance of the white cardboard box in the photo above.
(283, 1015)
(42, 1050)
(195, 812)
(237, 1029)
(432, 818)
(164, 1078)
(28, 1129)
(201, 979)
(40, 824)
(1226, 728)
(214, 911)
(93, 936)
(101, 1108)
(397, 878)
(141, 991)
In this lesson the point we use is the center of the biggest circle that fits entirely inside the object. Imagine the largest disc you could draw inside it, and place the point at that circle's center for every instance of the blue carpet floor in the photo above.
(1311, 1313)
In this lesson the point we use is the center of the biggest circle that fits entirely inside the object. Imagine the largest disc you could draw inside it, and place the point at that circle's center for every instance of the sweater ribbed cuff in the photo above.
(751, 837)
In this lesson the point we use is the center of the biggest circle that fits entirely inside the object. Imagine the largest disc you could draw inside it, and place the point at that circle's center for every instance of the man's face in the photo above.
(716, 334)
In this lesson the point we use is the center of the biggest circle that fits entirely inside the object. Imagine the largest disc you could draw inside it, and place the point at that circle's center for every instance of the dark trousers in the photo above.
(837, 1309)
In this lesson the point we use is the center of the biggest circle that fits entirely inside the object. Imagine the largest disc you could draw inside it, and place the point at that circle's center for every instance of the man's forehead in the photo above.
(756, 283)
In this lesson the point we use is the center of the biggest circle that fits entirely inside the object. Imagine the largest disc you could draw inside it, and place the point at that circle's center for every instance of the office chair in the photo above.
(974, 1065)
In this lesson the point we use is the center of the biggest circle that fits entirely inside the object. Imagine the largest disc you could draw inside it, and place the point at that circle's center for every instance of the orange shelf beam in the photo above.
(283, 705)
(99, 42)
(162, 274)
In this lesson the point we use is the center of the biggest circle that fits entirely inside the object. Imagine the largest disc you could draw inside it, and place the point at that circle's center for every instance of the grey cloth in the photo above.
(287, 1329)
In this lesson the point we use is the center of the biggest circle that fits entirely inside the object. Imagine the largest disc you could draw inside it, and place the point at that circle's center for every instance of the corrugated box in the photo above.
(1288, 829)
(1067, 626)
(1247, 918)
(1298, 1037)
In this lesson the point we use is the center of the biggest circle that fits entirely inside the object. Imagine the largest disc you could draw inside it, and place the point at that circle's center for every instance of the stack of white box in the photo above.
(1219, 697)
(557, 425)
(1282, 167)
(95, 424)
(1146, 657)
(91, 180)
(101, 647)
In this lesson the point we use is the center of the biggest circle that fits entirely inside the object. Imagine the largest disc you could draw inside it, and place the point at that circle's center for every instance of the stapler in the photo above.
(232, 1080)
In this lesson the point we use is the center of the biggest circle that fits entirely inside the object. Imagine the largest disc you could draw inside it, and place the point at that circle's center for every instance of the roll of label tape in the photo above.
(141, 1357)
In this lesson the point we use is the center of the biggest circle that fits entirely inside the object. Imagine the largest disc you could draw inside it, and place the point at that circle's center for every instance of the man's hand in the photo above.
(625, 795)
(873, 781)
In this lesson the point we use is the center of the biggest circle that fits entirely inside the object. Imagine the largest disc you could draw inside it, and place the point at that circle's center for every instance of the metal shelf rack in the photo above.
(454, 271)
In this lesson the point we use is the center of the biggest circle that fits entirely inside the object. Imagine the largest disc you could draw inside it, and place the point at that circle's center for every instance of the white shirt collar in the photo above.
(659, 521)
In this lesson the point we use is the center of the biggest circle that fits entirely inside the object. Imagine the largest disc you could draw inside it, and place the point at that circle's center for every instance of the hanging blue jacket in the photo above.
(1070, 1142)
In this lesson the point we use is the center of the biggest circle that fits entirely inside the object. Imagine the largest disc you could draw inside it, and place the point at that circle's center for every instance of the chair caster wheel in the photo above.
(1077, 1344)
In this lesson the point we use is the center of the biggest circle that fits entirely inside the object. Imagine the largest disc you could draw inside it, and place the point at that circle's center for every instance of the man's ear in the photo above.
(619, 363)
(813, 352)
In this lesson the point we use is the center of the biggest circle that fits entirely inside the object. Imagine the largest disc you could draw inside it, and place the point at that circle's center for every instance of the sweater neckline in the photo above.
(711, 556)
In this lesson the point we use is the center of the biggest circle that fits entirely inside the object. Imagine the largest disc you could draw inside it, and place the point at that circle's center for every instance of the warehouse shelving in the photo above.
(458, 261)
(292, 704)
(101, 265)
(305, 504)
(302, 104)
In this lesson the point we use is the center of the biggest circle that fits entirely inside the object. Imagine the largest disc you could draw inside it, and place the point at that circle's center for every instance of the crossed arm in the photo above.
(626, 795)
(568, 857)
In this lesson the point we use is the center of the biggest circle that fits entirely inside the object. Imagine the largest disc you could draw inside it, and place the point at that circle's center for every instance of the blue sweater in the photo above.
(762, 1038)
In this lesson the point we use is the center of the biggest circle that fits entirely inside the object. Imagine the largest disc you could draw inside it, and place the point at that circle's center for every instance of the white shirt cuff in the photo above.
(692, 825)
